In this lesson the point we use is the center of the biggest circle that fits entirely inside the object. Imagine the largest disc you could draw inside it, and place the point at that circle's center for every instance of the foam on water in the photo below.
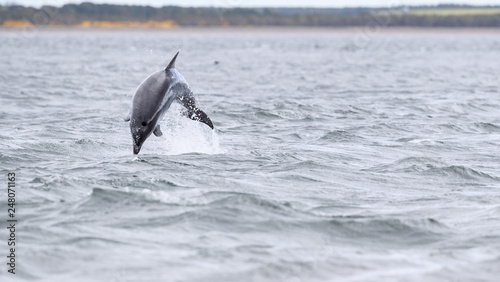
(183, 136)
(185, 198)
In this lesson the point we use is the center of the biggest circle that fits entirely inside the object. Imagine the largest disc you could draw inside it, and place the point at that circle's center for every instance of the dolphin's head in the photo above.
(140, 132)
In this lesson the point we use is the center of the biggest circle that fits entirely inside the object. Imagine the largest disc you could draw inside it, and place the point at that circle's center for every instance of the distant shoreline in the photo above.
(89, 14)
(258, 29)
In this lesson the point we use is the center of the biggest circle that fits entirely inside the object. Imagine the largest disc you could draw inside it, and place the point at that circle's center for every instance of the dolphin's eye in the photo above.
(144, 123)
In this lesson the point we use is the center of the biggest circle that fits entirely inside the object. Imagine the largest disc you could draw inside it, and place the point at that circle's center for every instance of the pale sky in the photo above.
(259, 3)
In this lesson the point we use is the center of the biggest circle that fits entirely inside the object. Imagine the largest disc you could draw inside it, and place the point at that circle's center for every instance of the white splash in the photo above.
(182, 135)
(193, 197)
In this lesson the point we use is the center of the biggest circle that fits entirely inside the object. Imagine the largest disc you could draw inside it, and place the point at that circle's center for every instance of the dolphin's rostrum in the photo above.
(153, 98)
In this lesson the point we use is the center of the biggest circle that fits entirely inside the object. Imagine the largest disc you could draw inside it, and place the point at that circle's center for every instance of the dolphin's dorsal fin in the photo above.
(171, 65)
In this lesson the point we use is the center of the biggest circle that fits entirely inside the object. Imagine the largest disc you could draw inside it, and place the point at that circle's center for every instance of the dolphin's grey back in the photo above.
(152, 94)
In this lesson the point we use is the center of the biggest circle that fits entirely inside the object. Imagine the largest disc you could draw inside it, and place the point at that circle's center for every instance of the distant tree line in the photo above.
(72, 14)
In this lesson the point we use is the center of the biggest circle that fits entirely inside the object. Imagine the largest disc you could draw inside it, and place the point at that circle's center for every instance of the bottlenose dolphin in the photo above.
(153, 98)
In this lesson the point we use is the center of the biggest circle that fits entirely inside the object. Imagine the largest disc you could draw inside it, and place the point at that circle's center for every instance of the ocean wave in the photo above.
(430, 166)
(462, 172)
(240, 211)
(410, 164)
(486, 127)
(340, 136)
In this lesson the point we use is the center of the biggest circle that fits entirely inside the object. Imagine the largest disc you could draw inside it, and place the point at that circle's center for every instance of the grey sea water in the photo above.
(337, 156)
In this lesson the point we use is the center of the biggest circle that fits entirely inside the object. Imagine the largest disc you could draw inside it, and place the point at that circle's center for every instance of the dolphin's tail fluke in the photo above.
(199, 115)
(186, 98)
(171, 65)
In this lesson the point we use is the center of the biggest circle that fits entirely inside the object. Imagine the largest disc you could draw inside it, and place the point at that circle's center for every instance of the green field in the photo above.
(455, 12)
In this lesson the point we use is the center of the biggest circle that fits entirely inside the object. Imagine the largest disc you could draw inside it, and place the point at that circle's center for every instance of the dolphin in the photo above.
(152, 99)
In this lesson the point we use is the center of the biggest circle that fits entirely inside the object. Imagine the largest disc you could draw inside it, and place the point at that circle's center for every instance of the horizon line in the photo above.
(267, 7)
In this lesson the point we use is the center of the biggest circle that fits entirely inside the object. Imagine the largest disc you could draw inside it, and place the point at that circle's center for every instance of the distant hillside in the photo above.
(103, 15)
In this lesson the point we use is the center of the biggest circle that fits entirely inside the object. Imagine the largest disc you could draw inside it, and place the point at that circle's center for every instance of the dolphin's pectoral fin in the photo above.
(199, 115)
(127, 118)
(157, 132)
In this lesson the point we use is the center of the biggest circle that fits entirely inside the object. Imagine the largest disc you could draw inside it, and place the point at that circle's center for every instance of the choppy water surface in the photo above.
(336, 156)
